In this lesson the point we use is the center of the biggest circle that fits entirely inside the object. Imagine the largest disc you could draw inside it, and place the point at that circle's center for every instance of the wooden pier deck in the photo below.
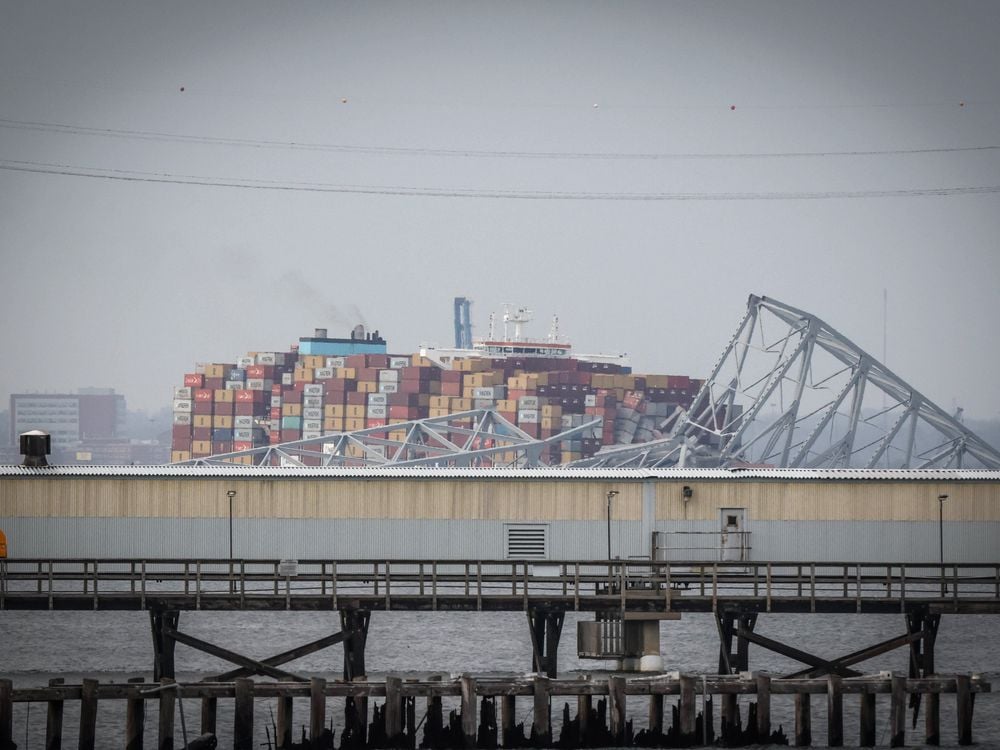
(636, 588)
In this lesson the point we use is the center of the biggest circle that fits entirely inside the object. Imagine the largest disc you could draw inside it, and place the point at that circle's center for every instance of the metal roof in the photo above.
(378, 472)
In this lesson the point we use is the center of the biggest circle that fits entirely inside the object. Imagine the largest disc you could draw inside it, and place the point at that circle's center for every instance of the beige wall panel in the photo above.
(492, 499)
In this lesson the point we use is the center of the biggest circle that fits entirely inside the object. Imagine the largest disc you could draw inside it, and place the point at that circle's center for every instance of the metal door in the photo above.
(732, 547)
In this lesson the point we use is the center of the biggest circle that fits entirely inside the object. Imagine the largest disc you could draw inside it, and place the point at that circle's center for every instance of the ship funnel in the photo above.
(320, 333)
(35, 446)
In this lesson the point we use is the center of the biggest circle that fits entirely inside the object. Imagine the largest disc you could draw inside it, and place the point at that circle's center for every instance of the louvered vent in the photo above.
(526, 542)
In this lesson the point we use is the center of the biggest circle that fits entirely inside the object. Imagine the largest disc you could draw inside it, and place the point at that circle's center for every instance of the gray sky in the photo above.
(128, 284)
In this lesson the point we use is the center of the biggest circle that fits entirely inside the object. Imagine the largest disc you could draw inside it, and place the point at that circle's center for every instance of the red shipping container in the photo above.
(201, 433)
(413, 386)
(222, 447)
(356, 360)
(180, 431)
(451, 376)
(275, 412)
(261, 371)
(249, 397)
(242, 445)
(247, 409)
(201, 407)
(357, 399)
(275, 437)
(375, 423)
(203, 394)
(181, 444)
(216, 384)
(276, 389)
(451, 389)
(402, 412)
(224, 408)
(194, 380)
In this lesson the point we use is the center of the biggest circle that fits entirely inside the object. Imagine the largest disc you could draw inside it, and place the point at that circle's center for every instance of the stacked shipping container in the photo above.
(278, 397)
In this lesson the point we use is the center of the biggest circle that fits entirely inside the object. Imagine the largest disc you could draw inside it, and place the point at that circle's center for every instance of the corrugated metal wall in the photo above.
(465, 517)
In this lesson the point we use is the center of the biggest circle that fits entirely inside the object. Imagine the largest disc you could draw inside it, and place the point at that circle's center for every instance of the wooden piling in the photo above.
(963, 709)
(803, 720)
(410, 722)
(508, 718)
(6, 714)
(834, 711)
(656, 714)
(135, 718)
(687, 708)
(88, 715)
(763, 707)
(584, 705)
(243, 715)
(541, 720)
(209, 715)
(165, 734)
(54, 720)
(317, 708)
(435, 720)
(708, 721)
(730, 715)
(393, 708)
(283, 728)
(616, 699)
(932, 719)
(897, 712)
(469, 713)
(866, 734)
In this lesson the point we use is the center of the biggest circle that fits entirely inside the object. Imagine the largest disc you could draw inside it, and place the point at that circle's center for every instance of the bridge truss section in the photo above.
(790, 391)
(475, 438)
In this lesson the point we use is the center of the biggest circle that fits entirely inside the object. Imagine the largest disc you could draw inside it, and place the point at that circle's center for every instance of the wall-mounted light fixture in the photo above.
(688, 493)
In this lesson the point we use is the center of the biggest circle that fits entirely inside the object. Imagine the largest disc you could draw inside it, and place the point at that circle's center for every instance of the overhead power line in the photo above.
(246, 184)
(146, 135)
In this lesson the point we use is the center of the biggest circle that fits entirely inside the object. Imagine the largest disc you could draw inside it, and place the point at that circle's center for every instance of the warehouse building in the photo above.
(391, 514)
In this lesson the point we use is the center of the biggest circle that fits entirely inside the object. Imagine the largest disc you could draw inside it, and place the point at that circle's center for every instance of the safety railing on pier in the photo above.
(496, 584)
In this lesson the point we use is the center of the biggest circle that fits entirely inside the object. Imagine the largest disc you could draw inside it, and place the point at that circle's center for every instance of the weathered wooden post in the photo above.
(834, 711)
(541, 714)
(803, 720)
(763, 706)
(897, 713)
(209, 715)
(508, 718)
(435, 719)
(393, 709)
(317, 708)
(165, 735)
(730, 715)
(866, 735)
(283, 729)
(6, 714)
(135, 717)
(708, 721)
(932, 719)
(687, 712)
(584, 705)
(54, 719)
(656, 713)
(963, 707)
(616, 699)
(469, 713)
(243, 715)
(88, 715)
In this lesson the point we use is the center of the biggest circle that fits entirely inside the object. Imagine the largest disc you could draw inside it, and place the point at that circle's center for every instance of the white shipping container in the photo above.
(388, 376)
(312, 412)
(244, 362)
(182, 392)
(275, 402)
(243, 434)
(258, 384)
(483, 403)
(286, 378)
(377, 412)
(378, 398)
(397, 362)
(388, 387)
(527, 402)
(311, 434)
(182, 417)
(267, 358)
(181, 404)
(311, 425)
(312, 401)
(590, 399)
(329, 448)
(243, 422)
(234, 385)
(335, 362)
(528, 416)
(323, 373)
(312, 389)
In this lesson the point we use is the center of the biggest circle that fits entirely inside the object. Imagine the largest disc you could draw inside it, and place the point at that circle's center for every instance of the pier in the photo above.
(478, 724)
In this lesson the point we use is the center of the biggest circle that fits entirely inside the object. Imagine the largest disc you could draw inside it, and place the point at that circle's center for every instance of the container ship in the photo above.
(328, 386)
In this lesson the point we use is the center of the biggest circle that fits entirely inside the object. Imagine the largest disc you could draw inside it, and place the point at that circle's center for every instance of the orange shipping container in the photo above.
(222, 421)
(335, 410)
(201, 447)
(291, 410)
(201, 420)
(223, 395)
(176, 456)
(351, 424)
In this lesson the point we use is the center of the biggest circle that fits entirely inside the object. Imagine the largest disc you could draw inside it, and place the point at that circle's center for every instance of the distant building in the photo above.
(72, 419)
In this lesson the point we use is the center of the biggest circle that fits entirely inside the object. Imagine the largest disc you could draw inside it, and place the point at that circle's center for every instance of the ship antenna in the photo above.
(554, 331)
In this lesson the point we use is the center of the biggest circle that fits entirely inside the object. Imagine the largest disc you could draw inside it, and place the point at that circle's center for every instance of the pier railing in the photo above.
(628, 585)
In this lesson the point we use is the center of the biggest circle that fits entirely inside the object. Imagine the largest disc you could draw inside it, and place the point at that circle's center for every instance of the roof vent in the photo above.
(35, 446)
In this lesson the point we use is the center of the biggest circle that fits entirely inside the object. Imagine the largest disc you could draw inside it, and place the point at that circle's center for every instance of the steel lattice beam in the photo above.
(791, 391)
